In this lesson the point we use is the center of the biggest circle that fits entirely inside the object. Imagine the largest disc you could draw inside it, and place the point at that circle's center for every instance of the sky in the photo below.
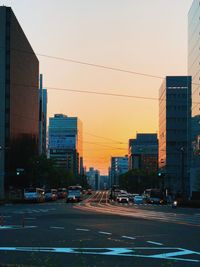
(142, 36)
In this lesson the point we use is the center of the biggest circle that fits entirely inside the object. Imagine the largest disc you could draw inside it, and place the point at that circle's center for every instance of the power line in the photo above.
(97, 93)
(93, 143)
(87, 63)
(100, 93)
(91, 64)
(105, 138)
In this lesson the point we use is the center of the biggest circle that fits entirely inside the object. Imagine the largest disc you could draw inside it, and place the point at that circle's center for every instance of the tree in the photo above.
(137, 181)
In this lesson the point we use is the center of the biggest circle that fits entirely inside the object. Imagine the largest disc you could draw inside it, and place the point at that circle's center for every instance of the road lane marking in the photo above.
(81, 229)
(57, 227)
(15, 227)
(168, 253)
(104, 233)
(155, 243)
(128, 237)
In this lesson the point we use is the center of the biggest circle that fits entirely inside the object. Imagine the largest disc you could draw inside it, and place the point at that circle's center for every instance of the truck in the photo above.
(74, 194)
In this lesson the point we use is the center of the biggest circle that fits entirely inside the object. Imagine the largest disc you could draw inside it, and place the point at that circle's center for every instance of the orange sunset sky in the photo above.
(144, 36)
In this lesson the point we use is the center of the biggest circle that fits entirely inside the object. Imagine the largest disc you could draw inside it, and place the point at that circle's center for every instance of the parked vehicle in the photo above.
(74, 193)
(34, 194)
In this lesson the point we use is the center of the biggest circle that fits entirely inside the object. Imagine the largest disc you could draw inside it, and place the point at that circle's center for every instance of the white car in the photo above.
(122, 199)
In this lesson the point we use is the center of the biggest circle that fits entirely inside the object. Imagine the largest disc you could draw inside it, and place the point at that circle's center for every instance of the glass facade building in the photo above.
(143, 152)
(119, 165)
(19, 104)
(65, 142)
(194, 71)
(175, 133)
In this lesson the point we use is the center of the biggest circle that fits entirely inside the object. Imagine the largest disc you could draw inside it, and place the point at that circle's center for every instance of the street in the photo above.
(96, 232)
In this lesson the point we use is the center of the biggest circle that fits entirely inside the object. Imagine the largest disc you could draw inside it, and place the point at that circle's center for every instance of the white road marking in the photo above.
(81, 229)
(104, 233)
(57, 227)
(128, 237)
(6, 227)
(155, 243)
(126, 252)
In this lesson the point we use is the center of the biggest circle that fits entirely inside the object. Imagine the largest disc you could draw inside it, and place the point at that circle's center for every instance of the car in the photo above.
(138, 199)
(131, 196)
(61, 193)
(51, 194)
(122, 199)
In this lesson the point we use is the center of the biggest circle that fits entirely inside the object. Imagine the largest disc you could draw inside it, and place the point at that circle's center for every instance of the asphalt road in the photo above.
(98, 233)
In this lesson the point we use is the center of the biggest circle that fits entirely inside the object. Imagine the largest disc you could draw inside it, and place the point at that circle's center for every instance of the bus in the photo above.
(34, 194)
(153, 196)
(74, 193)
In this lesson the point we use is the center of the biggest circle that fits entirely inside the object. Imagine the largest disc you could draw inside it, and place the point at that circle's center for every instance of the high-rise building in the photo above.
(194, 71)
(175, 133)
(93, 178)
(119, 165)
(143, 152)
(42, 118)
(104, 182)
(65, 142)
(19, 116)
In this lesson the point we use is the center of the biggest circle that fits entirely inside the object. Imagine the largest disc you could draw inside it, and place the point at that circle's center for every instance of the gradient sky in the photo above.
(145, 36)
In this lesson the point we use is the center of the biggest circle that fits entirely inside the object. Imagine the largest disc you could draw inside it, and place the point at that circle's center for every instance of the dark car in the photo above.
(61, 193)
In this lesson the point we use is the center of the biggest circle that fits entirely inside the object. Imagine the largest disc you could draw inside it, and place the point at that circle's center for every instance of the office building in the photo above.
(19, 116)
(119, 165)
(65, 142)
(104, 182)
(143, 152)
(175, 133)
(93, 178)
(194, 71)
(42, 118)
